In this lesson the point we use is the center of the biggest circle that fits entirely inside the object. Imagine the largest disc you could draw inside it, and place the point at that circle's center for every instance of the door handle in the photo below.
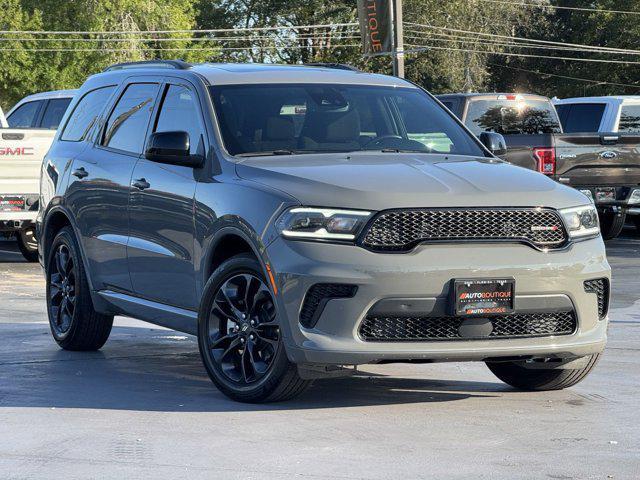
(80, 172)
(140, 184)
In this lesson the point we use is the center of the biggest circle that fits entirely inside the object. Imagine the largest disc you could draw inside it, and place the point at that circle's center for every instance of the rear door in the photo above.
(101, 175)
(161, 208)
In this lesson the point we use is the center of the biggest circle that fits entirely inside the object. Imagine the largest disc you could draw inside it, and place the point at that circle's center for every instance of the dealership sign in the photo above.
(375, 26)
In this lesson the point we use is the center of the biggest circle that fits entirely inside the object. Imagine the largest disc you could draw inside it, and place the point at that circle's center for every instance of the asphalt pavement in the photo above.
(144, 408)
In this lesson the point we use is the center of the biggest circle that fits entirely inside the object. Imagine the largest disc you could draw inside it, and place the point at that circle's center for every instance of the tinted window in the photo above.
(25, 115)
(53, 113)
(180, 112)
(517, 116)
(257, 119)
(629, 118)
(85, 114)
(127, 125)
(449, 105)
(581, 117)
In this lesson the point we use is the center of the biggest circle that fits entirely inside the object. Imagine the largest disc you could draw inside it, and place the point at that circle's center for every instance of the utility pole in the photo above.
(398, 54)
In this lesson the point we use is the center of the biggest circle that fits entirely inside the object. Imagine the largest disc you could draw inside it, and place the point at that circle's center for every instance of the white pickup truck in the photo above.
(25, 138)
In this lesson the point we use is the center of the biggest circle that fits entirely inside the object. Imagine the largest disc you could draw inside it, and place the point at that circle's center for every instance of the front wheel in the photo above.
(611, 224)
(636, 220)
(239, 336)
(519, 376)
(27, 244)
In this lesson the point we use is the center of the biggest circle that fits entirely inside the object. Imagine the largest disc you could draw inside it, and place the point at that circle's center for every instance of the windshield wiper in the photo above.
(397, 150)
(266, 153)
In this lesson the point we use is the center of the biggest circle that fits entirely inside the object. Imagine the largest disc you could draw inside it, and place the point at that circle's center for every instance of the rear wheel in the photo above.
(519, 376)
(74, 323)
(239, 336)
(27, 244)
(611, 224)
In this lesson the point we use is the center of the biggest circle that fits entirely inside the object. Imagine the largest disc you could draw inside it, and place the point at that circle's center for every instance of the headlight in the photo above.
(634, 199)
(581, 222)
(322, 223)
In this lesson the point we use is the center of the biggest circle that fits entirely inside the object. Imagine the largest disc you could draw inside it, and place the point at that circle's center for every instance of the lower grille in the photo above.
(600, 287)
(318, 296)
(412, 329)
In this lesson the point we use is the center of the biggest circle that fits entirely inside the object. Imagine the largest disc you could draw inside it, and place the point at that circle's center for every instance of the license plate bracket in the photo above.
(11, 203)
(485, 296)
(605, 194)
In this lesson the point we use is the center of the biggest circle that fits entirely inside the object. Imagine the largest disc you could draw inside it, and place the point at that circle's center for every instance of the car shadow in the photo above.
(158, 370)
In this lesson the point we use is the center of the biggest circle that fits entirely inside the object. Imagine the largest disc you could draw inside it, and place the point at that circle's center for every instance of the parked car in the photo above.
(618, 114)
(302, 220)
(24, 139)
(604, 166)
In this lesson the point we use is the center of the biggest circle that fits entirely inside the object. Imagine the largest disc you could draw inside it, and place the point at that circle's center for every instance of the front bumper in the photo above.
(422, 277)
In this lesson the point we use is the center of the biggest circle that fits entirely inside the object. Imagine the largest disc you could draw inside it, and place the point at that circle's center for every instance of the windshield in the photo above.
(277, 119)
(519, 115)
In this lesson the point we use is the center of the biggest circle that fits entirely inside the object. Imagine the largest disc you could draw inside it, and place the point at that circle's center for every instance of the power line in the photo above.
(559, 7)
(544, 74)
(532, 40)
(317, 36)
(416, 35)
(212, 48)
(164, 32)
(419, 48)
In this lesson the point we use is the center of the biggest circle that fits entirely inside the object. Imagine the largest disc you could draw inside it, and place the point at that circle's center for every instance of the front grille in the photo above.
(600, 287)
(403, 229)
(380, 328)
(318, 296)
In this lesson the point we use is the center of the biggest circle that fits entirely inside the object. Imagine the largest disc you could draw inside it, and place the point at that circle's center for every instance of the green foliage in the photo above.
(579, 27)
(439, 61)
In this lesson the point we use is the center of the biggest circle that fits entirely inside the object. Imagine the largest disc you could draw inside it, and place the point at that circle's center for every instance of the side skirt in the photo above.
(179, 319)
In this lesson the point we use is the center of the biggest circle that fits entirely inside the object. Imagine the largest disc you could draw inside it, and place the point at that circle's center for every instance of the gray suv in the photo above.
(303, 220)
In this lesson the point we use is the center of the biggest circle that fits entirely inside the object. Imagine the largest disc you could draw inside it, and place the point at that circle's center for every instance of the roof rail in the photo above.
(176, 64)
(338, 66)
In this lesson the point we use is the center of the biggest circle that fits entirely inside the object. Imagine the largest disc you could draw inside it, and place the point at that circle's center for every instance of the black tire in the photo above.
(541, 379)
(221, 327)
(611, 224)
(27, 244)
(636, 220)
(75, 325)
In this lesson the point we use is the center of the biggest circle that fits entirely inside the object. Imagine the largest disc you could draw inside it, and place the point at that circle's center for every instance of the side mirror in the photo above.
(494, 142)
(172, 148)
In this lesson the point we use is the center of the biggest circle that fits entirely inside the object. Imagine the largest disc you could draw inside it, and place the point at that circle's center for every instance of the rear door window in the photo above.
(517, 115)
(85, 114)
(581, 117)
(53, 113)
(25, 115)
(127, 126)
(629, 118)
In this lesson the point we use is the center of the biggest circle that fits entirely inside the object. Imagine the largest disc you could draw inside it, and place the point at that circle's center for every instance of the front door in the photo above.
(161, 209)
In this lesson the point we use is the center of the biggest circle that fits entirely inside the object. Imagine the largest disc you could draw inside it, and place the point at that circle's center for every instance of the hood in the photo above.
(379, 181)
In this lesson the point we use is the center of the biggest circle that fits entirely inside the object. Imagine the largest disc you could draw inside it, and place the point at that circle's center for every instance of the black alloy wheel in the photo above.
(240, 337)
(62, 289)
(244, 336)
(75, 323)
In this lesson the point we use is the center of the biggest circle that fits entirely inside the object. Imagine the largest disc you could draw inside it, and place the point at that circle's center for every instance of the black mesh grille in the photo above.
(403, 229)
(399, 328)
(317, 297)
(601, 288)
